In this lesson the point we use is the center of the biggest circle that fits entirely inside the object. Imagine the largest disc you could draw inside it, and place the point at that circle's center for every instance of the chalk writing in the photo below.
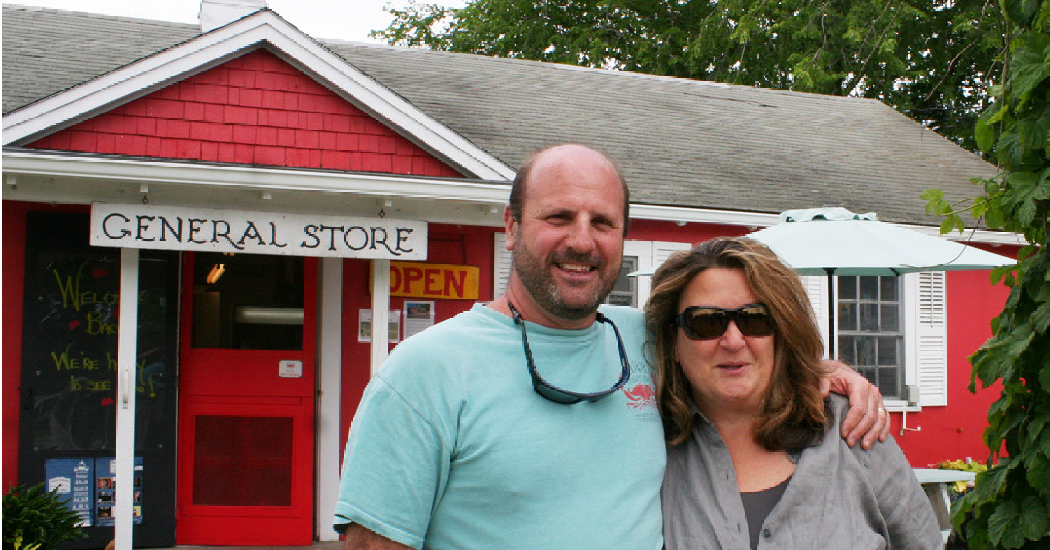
(69, 287)
(69, 340)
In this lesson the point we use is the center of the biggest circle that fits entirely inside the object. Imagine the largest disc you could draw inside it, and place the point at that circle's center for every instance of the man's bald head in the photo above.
(570, 152)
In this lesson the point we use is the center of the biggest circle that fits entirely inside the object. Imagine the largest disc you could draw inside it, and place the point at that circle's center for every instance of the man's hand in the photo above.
(867, 419)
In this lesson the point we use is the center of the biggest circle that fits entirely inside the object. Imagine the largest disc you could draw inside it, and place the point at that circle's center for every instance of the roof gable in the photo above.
(200, 54)
(254, 109)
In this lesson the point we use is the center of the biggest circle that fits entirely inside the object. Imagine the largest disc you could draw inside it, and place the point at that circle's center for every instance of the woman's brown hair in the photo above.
(793, 414)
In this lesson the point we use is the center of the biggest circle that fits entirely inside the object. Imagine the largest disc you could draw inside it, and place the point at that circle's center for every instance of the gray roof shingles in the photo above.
(679, 142)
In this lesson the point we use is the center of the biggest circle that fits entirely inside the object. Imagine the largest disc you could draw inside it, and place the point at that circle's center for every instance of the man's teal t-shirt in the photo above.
(451, 447)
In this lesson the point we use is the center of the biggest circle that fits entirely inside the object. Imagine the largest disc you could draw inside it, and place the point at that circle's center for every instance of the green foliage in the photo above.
(929, 59)
(1010, 507)
(973, 466)
(36, 520)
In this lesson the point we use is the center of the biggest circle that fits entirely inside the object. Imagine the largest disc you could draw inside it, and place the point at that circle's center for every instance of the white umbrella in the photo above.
(835, 241)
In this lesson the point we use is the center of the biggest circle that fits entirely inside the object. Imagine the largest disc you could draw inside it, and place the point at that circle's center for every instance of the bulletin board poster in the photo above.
(73, 479)
(105, 489)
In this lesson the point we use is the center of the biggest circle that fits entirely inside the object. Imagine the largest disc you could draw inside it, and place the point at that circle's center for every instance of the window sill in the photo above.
(897, 405)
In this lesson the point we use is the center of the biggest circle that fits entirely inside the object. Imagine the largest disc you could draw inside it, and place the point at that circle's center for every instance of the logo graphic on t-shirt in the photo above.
(641, 396)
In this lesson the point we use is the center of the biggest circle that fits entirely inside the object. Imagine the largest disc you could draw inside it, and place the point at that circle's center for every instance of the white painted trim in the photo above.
(380, 312)
(816, 287)
(502, 264)
(486, 192)
(758, 220)
(254, 178)
(127, 344)
(208, 50)
(329, 384)
(930, 309)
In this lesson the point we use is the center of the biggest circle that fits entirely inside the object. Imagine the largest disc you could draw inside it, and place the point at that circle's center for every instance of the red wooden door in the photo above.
(246, 400)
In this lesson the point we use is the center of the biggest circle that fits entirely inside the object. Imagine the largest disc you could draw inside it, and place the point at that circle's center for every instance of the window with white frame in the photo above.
(871, 332)
(893, 330)
(625, 291)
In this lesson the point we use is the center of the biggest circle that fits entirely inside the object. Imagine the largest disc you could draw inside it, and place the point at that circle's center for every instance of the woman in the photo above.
(736, 355)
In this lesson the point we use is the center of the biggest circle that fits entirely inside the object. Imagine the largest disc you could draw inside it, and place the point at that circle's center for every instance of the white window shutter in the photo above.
(650, 255)
(663, 249)
(817, 289)
(931, 336)
(501, 265)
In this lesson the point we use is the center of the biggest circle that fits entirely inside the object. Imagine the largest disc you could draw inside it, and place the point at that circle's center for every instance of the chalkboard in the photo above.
(69, 356)
(69, 353)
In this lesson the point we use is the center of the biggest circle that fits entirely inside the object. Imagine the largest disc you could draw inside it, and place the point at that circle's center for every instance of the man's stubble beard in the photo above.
(536, 277)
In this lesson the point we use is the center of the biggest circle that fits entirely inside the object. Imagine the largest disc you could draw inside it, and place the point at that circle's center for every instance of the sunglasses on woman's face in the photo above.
(707, 323)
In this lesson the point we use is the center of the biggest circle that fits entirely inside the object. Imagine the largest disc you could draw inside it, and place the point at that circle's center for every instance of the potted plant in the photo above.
(37, 520)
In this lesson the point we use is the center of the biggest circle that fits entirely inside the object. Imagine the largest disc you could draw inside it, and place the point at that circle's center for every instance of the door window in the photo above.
(247, 301)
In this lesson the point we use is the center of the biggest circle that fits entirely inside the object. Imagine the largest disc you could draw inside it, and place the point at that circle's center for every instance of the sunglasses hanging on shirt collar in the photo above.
(559, 395)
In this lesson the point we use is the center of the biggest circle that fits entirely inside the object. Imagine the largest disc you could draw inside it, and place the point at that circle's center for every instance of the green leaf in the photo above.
(998, 112)
(984, 134)
(1035, 522)
(1003, 526)
(1009, 148)
(990, 483)
(1027, 68)
(1020, 11)
(1038, 474)
(1041, 317)
(951, 222)
(932, 195)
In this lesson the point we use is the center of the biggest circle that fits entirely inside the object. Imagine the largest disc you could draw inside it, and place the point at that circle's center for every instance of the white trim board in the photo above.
(491, 192)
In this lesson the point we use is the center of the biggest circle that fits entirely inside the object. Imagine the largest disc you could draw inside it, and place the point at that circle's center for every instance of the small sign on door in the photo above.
(290, 369)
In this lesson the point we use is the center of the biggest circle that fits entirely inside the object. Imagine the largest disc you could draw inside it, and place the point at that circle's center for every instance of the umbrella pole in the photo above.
(831, 312)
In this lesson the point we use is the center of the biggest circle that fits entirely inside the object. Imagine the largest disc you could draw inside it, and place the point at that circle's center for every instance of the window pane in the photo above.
(889, 382)
(869, 288)
(845, 350)
(625, 290)
(869, 317)
(889, 352)
(847, 316)
(888, 288)
(865, 350)
(890, 318)
(624, 283)
(870, 373)
(247, 301)
(847, 288)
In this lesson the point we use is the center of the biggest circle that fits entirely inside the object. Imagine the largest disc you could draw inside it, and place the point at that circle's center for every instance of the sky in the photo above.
(332, 19)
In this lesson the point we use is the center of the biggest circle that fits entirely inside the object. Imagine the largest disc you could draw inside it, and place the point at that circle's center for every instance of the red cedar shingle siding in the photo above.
(255, 109)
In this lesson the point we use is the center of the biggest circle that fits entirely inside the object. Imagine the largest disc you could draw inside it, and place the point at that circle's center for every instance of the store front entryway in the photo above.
(246, 403)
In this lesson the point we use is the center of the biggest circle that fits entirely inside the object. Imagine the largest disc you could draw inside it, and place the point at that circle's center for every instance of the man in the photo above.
(515, 425)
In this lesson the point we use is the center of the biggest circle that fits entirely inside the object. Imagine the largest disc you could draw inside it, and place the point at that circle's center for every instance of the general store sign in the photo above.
(247, 232)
